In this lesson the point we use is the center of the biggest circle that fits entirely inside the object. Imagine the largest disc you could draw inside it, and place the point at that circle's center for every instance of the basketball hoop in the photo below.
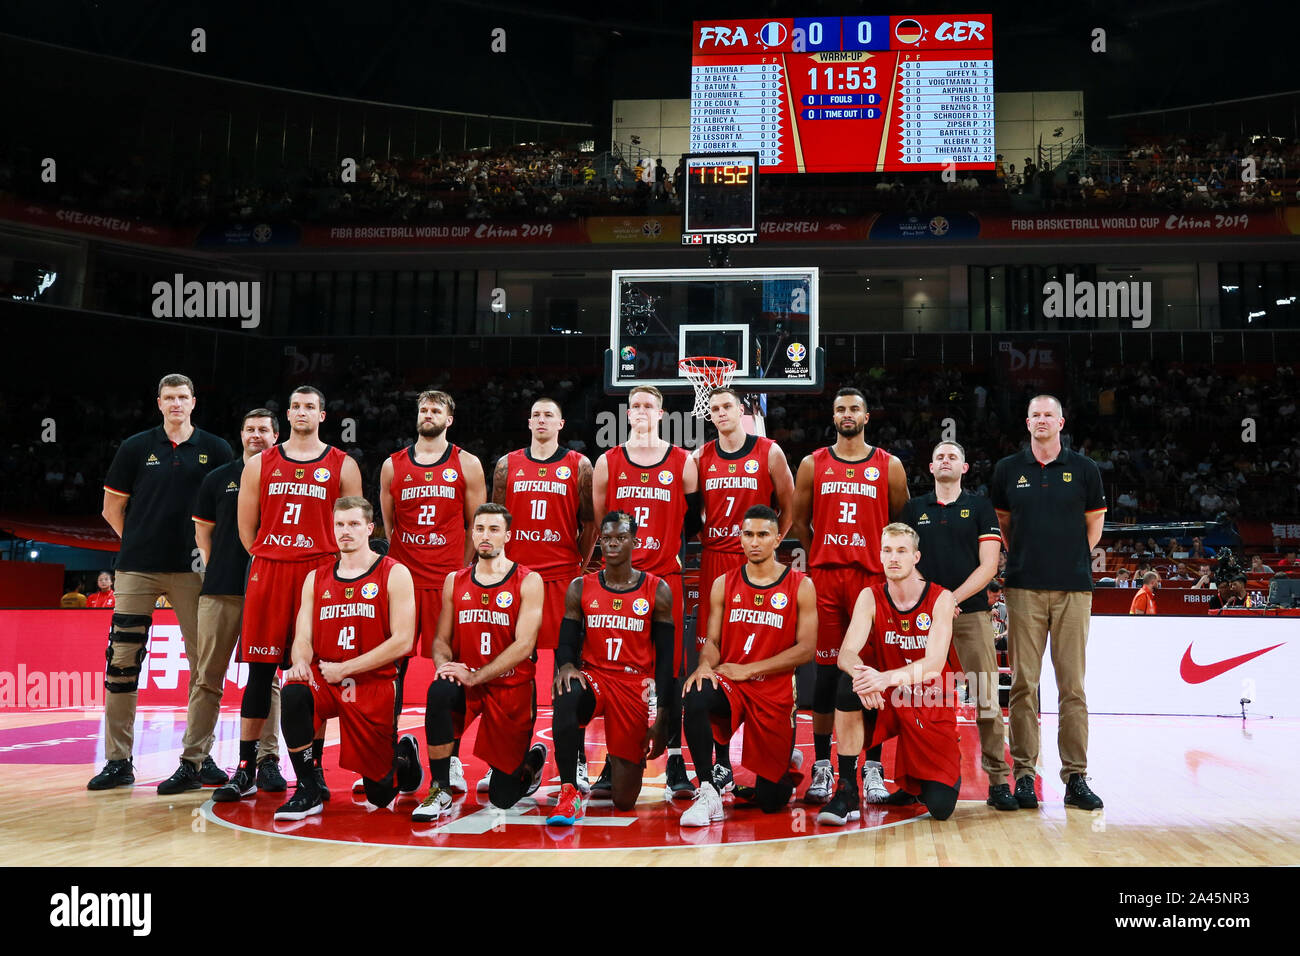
(706, 372)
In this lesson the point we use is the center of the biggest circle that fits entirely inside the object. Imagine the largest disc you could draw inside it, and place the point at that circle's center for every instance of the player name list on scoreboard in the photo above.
(945, 110)
(740, 109)
(846, 94)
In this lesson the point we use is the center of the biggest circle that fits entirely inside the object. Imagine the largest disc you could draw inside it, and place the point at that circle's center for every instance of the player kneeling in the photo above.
(356, 619)
(762, 625)
(491, 612)
(619, 624)
(903, 627)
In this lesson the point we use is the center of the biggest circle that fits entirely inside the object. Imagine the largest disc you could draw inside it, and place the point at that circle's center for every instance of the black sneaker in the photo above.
(1025, 795)
(844, 807)
(320, 783)
(1000, 798)
(678, 782)
(269, 777)
(210, 775)
(116, 773)
(899, 798)
(185, 778)
(724, 781)
(605, 782)
(305, 802)
(241, 785)
(534, 760)
(411, 778)
(1079, 795)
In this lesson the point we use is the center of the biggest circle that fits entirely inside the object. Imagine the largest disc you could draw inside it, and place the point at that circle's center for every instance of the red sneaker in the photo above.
(570, 809)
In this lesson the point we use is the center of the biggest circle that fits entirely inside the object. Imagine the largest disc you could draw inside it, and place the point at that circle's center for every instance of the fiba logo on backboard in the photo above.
(796, 352)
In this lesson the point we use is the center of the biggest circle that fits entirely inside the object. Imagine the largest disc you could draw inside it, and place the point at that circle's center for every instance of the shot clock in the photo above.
(721, 201)
(846, 94)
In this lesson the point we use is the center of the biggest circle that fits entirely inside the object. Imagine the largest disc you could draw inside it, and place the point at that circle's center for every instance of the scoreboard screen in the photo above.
(721, 193)
(846, 94)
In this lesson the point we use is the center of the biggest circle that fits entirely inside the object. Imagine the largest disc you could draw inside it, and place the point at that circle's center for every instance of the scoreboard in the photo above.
(846, 94)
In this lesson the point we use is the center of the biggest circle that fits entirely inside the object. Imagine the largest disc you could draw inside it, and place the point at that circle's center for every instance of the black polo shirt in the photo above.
(162, 480)
(218, 505)
(1048, 550)
(950, 539)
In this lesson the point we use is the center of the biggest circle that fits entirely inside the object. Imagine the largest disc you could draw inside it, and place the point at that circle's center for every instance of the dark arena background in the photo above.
(952, 208)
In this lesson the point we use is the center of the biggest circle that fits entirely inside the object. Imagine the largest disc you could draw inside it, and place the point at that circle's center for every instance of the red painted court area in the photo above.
(475, 825)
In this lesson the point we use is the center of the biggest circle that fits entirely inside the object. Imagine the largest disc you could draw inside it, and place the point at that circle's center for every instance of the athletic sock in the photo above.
(455, 748)
(318, 750)
(821, 746)
(722, 754)
(674, 751)
(849, 768)
(440, 768)
(248, 755)
(304, 767)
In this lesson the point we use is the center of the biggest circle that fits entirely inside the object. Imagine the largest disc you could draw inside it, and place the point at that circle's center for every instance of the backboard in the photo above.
(764, 319)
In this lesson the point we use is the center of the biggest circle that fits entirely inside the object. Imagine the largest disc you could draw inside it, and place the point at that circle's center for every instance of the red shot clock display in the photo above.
(846, 94)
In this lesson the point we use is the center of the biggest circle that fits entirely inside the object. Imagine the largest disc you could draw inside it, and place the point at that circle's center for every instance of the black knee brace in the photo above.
(825, 686)
(845, 699)
(505, 789)
(297, 715)
(381, 792)
(771, 796)
(939, 799)
(443, 698)
(119, 635)
(256, 704)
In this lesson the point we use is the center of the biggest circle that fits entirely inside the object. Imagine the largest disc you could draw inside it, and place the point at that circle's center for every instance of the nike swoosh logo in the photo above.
(1195, 673)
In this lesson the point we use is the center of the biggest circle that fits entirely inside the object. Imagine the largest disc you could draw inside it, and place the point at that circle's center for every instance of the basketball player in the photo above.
(484, 652)
(657, 482)
(428, 493)
(286, 502)
(356, 619)
(736, 471)
(548, 491)
(617, 632)
(905, 626)
(844, 496)
(762, 625)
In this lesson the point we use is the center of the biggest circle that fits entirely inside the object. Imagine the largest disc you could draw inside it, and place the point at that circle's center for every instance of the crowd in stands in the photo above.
(531, 180)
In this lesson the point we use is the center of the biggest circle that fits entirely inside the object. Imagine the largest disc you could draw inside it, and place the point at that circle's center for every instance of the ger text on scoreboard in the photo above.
(846, 94)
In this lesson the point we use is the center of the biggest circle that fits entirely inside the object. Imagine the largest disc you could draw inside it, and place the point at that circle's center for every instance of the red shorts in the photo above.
(271, 602)
(622, 700)
(367, 717)
(713, 565)
(506, 730)
(553, 595)
(838, 588)
(927, 744)
(766, 708)
(428, 606)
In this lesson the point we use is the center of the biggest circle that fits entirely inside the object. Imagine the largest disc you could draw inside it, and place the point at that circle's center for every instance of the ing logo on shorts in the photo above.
(641, 606)
(923, 621)
(449, 474)
(321, 474)
(779, 601)
(369, 590)
(563, 472)
(871, 474)
(751, 467)
(665, 477)
(505, 599)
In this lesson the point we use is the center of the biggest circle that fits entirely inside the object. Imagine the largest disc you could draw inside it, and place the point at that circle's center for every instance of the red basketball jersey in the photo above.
(428, 534)
(732, 482)
(899, 638)
(850, 509)
(618, 635)
(655, 497)
(352, 615)
(297, 505)
(759, 622)
(542, 498)
(485, 621)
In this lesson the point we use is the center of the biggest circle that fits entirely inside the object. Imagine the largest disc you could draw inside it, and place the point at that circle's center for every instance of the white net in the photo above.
(706, 372)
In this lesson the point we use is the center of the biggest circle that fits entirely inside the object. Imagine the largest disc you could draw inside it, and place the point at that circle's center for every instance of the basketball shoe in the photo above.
(570, 809)
(873, 782)
(435, 805)
(706, 809)
(844, 807)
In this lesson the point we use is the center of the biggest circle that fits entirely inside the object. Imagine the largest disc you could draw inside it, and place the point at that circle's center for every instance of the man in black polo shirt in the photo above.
(960, 543)
(221, 603)
(1050, 504)
(148, 494)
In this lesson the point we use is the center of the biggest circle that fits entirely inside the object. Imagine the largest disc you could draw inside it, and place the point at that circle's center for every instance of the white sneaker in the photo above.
(456, 779)
(706, 809)
(484, 781)
(796, 758)
(823, 783)
(581, 781)
(873, 782)
(435, 805)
